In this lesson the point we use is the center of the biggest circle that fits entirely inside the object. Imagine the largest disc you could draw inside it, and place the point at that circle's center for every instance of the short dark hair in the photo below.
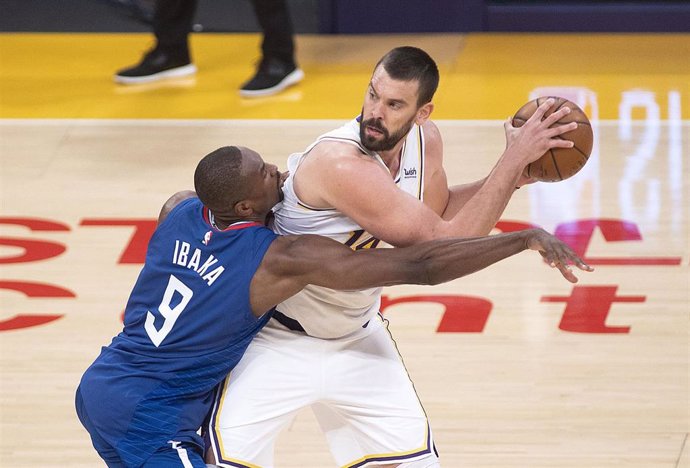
(411, 63)
(217, 179)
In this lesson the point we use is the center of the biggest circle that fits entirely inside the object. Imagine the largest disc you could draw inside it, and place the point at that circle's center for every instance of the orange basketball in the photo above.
(559, 163)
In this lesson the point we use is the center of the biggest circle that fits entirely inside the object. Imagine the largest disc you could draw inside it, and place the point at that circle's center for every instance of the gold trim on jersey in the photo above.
(420, 153)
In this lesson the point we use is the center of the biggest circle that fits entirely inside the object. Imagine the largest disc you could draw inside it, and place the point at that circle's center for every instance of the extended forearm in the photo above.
(459, 195)
(447, 259)
(474, 209)
(330, 264)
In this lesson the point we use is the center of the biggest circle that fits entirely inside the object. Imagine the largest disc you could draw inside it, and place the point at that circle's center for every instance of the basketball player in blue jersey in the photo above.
(212, 275)
(377, 179)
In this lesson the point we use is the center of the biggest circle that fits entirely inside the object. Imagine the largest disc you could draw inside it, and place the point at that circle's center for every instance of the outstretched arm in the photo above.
(292, 262)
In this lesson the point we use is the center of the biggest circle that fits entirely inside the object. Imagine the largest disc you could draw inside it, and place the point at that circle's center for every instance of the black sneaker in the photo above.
(271, 77)
(156, 65)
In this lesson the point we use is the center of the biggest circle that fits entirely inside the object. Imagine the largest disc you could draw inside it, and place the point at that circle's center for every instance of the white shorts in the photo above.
(357, 386)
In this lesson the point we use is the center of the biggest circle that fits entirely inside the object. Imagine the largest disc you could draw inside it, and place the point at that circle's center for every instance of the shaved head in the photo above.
(218, 179)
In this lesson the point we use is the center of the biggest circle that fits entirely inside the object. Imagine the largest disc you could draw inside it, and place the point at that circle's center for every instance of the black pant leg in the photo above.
(274, 19)
(172, 22)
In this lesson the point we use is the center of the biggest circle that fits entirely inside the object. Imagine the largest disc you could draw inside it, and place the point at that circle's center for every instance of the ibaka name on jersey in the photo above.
(197, 261)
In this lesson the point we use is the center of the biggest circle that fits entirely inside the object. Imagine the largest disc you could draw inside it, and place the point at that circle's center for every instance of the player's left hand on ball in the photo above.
(556, 253)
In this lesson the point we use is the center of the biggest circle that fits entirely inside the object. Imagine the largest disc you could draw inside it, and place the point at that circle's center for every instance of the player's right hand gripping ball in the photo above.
(559, 163)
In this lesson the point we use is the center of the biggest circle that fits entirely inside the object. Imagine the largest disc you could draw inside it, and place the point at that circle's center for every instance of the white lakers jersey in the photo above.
(323, 312)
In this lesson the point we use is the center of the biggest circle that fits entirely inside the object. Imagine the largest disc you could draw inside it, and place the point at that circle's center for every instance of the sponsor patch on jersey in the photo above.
(410, 173)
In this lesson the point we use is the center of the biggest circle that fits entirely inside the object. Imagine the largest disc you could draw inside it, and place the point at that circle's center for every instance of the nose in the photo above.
(272, 169)
(377, 111)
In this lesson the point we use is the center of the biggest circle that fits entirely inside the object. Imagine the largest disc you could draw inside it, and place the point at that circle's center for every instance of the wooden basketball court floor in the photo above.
(516, 367)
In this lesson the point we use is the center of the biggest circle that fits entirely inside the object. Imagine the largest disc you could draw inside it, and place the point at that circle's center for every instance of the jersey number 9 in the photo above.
(169, 314)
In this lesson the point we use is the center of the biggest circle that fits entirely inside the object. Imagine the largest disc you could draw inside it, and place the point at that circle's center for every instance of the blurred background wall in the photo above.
(368, 16)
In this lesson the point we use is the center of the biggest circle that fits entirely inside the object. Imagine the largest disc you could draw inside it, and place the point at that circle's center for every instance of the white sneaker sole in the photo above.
(179, 72)
(292, 79)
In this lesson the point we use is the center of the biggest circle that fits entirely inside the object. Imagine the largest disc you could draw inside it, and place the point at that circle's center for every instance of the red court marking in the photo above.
(587, 309)
(33, 250)
(462, 314)
(135, 251)
(33, 290)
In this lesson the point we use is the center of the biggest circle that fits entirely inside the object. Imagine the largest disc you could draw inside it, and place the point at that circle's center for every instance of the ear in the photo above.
(244, 208)
(424, 113)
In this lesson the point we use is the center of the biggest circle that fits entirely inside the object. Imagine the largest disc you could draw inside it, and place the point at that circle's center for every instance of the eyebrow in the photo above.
(396, 101)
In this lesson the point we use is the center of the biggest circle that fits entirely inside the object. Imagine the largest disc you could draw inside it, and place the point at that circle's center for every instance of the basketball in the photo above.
(559, 163)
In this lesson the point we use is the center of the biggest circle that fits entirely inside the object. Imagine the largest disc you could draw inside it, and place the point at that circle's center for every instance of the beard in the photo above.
(388, 141)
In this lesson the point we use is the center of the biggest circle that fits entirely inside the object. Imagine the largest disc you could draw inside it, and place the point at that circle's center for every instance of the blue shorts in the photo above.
(173, 455)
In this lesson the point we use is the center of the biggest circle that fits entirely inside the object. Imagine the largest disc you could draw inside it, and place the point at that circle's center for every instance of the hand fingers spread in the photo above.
(541, 110)
(560, 143)
(559, 255)
(567, 257)
(561, 129)
(567, 272)
(582, 265)
(556, 116)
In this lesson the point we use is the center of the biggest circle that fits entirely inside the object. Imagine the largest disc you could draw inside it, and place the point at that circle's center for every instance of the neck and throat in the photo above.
(391, 158)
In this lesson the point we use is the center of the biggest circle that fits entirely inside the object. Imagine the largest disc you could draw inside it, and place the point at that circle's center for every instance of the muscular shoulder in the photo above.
(332, 167)
(336, 152)
(173, 201)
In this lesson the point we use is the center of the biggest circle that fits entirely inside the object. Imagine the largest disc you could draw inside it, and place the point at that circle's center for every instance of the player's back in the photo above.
(187, 323)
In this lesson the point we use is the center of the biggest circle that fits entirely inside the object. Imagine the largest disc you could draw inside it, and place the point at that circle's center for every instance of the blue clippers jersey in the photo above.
(187, 323)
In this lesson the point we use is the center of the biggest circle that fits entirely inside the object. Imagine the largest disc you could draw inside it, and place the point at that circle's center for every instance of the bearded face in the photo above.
(376, 137)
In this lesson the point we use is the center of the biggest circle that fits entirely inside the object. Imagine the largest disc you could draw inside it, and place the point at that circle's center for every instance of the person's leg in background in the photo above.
(172, 23)
(278, 68)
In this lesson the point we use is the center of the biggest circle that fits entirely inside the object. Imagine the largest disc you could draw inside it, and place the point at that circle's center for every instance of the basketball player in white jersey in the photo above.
(377, 179)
